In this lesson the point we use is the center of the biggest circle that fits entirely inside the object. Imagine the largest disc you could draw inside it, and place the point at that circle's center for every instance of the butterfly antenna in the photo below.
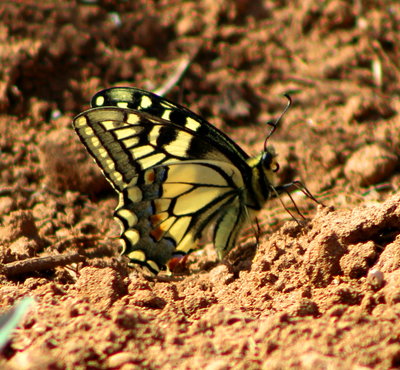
(275, 123)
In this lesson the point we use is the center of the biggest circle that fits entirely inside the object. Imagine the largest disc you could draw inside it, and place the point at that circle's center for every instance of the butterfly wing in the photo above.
(174, 176)
(154, 105)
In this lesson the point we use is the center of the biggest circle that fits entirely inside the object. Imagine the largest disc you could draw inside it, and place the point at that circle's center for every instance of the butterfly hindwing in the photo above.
(165, 213)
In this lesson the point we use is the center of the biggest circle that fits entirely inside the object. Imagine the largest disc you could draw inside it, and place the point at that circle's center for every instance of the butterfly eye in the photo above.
(275, 167)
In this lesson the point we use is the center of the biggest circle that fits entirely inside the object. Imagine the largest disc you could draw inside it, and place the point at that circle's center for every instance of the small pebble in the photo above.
(375, 278)
(120, 358)
(370, 165)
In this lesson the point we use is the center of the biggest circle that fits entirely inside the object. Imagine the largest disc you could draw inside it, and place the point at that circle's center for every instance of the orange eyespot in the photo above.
(275, 167)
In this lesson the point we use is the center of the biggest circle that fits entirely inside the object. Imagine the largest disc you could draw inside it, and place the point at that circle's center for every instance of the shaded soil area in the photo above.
(324, 293)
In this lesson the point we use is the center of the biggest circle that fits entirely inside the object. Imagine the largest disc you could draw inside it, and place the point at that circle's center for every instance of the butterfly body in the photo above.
(175, 173)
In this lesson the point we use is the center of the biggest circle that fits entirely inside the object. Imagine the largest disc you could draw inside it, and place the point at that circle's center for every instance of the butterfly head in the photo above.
(268, 164)
(264, 165)
(268, 160)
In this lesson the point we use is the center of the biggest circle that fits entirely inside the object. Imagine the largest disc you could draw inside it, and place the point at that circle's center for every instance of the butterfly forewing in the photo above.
(144, 101)
(175, 174)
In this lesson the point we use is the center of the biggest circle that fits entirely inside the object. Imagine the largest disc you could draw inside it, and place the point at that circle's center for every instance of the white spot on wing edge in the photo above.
(192, 124)
(122, 104)
(134, 194)
(88, 131)
(130, 217)
(100, 101)
(94, 142)
(132, 235)
(145, 102)
(153, 265)
(137, 255)
(81, 121)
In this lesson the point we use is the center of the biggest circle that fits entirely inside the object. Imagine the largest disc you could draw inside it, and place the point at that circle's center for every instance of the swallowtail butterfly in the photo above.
(175, 174)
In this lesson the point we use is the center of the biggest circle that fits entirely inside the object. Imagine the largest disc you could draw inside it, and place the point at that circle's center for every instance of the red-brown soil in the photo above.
(321, 295)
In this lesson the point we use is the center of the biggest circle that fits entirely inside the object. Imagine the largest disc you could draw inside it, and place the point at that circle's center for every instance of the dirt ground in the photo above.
(321, 295)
